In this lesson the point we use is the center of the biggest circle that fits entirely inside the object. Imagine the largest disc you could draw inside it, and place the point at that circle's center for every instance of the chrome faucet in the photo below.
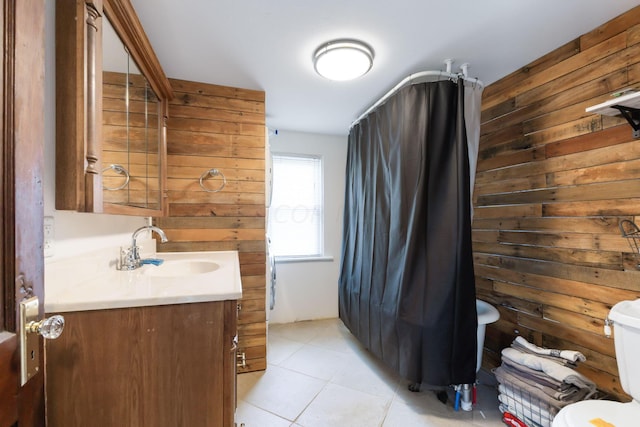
(130, 258)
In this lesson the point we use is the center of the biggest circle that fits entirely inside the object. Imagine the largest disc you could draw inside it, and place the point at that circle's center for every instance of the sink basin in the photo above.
(183, 278)
(182, 268)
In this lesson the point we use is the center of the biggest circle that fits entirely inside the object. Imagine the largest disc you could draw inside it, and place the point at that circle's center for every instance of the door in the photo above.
(21, 209)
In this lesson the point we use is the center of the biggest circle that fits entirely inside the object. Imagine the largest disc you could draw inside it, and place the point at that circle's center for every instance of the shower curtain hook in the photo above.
(465, 69)
(449, 64)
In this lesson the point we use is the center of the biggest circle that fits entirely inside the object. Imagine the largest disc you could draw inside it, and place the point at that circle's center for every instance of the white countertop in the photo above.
(74, 288)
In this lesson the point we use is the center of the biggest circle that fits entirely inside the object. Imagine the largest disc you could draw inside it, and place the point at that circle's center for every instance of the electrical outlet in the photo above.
(48, 236)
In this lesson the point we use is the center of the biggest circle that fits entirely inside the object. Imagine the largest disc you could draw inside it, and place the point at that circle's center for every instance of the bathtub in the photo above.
(486, 314)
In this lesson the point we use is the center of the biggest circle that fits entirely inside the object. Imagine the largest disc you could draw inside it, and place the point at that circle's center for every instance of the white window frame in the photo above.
(273, 210)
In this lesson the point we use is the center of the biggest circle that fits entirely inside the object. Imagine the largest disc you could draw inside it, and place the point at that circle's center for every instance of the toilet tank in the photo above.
(626, 320)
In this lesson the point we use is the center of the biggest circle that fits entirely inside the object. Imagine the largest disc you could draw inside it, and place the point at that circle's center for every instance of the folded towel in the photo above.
(557, 399)
(558, 360)
(554, 370)
(570, 355)
(533, 375)
(533, 396)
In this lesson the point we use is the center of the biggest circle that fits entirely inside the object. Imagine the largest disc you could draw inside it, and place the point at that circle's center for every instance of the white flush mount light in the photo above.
(343, 59)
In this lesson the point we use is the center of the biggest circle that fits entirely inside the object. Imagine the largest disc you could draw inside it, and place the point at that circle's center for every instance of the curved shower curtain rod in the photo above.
(411, 77)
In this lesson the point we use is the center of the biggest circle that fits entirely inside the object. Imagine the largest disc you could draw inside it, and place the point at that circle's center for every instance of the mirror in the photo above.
(111, 104)
(131, 143)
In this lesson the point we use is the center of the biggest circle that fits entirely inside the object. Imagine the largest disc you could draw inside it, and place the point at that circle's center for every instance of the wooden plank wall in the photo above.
(221, 127)
(552, 185)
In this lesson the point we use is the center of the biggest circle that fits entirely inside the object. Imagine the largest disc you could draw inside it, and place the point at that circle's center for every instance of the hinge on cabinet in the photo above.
(241, 361)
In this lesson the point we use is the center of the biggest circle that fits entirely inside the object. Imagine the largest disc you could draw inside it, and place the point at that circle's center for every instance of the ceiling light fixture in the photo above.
(343, 59)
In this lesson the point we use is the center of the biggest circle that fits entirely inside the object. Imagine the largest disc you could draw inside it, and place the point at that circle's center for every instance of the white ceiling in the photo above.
(268, 45)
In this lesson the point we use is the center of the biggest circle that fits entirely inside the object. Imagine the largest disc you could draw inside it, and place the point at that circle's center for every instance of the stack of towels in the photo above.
(535, 382)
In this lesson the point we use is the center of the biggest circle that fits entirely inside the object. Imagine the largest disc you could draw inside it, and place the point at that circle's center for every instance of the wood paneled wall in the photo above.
(224, 128)
(552, 185)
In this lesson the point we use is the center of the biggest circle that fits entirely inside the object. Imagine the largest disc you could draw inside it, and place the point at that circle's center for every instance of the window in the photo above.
(296, 213)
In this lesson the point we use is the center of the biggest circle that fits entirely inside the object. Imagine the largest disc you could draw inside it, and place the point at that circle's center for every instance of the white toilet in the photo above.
(626, 319)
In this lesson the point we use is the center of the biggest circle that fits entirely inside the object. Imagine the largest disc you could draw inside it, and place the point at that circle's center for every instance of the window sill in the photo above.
(287, 260)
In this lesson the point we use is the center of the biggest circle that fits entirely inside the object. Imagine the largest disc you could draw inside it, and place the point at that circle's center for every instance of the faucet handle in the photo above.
(125, 252)
(127, 259)
(120, 258)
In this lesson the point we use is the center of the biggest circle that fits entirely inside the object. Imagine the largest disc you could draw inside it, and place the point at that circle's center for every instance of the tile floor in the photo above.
(318, 375)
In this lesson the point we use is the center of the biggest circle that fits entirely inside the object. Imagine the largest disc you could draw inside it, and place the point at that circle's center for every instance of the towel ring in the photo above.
(120, 170)
(212, 172)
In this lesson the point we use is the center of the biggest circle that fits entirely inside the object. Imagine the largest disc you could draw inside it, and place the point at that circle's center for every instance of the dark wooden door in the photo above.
(21, 210)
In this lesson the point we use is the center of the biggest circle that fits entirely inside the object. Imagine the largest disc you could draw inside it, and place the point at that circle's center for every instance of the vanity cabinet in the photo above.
(160, 366)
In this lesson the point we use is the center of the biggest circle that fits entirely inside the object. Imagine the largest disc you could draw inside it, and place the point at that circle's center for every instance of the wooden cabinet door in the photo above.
(157, 366)
(21, 212)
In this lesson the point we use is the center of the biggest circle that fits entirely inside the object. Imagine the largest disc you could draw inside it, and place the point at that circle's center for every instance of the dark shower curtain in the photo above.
(407, 288)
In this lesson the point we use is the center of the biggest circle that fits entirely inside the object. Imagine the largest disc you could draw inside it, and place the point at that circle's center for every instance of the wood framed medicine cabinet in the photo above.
(111, 112)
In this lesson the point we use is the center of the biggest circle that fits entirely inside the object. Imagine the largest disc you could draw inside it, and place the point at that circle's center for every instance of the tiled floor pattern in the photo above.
(318, 375)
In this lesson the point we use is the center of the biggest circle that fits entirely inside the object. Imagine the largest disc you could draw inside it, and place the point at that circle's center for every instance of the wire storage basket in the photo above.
(631, 232)
(532, 406)
(528, 407)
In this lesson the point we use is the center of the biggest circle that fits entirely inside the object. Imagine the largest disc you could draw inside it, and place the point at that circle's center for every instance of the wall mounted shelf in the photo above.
(627, 106)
